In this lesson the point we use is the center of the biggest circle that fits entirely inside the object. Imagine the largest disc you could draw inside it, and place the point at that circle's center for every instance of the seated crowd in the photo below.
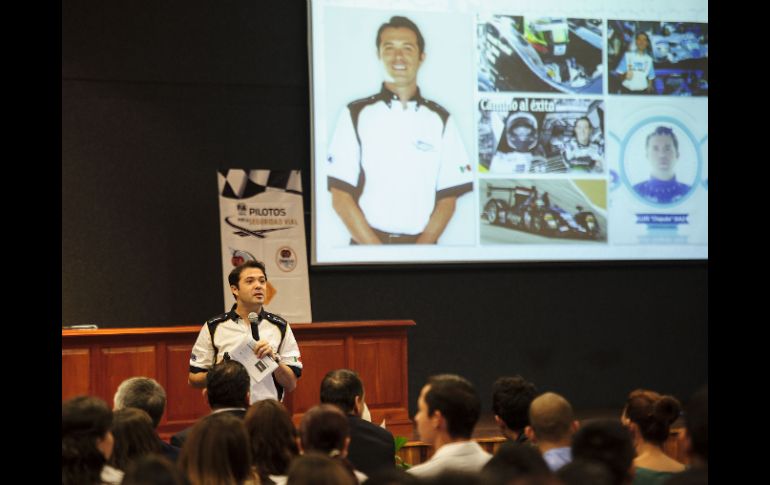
(335, 443)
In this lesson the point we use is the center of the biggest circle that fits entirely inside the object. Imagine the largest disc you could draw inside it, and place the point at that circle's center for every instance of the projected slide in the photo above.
(471, 131)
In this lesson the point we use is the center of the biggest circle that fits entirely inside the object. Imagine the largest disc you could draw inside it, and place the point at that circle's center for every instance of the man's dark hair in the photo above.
(143, 393)
(235, 275)
(663, 131)
(511, 397)
(606, 441)
(696, 421)
(227, 384)
(340, 387)
(458, 402)
(324, 428)
(515, 460)
(585, 472)
(397, 22)
(583, 118)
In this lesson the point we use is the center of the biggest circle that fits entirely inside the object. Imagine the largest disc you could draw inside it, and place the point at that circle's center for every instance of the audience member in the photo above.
(325, 429)
(227, 391)
(273, 440)
(696, 419)
(585, 472)
(649, 416)
(153, 469)
(134, 437)
(511, 397)
(319, 469)
(448, 409)
(87, 443)
(148, 395)
(608, 442)
(512, 461)
(371, 447)
(552, 425)
(217, 452)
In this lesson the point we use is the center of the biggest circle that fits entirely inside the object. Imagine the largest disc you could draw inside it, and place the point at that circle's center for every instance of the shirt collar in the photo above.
(389, 96)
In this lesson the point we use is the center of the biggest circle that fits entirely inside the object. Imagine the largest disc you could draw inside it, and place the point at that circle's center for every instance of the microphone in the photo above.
(254, 319)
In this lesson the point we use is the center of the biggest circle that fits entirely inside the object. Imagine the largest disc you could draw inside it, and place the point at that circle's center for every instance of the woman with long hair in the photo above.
(273, 440)
(649, 416)
(217, 452)
(87, 443)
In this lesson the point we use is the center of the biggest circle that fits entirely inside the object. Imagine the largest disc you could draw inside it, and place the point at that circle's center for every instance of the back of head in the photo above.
(511, 398)
(153, 469)
(458, 402)
(318, 469)
(134, 436)
(652, 413)
(216, 451)
(455, 477)
(340, 387)
(84, 420)
(324, 429)
(606, 441)
(392, 476)
(697, 423)
(143, 393)
(550, 416)
(227, 385)
(585, 472)
(515, 460)
(272, 436)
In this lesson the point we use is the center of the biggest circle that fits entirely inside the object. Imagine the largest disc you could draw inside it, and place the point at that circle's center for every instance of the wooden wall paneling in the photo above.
(119, 362)
(75, 372)
(185, 402)
(319, 356)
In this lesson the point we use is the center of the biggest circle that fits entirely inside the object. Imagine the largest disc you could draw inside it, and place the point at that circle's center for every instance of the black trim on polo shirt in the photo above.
(455, 191)
(335, 183)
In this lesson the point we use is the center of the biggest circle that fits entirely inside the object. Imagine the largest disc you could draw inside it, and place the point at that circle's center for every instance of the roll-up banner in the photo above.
(261, 218)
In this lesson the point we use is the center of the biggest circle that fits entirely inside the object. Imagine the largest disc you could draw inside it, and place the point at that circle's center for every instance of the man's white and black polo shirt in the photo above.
(400, 161)
(228, 331)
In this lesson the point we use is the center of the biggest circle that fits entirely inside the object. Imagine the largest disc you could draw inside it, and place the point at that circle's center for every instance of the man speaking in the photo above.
(248, 319)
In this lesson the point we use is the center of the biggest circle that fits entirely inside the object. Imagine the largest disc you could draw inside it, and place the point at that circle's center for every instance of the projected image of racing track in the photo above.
(526, 211)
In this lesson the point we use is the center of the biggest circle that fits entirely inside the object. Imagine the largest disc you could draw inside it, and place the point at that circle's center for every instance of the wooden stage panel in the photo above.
(75, 372)
(95, 362)
(119, 363)
(188, 403)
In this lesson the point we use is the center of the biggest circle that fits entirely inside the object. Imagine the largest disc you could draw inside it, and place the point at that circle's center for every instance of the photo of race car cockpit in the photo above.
(543, 210)
(540, 54)
(679, 51)
(568, 138)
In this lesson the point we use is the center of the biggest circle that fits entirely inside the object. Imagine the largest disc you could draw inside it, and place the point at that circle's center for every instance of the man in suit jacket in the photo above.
(371, 447)
(227, 390)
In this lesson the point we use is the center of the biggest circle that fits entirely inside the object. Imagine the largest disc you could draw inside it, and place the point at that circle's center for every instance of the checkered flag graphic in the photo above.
(242, 184)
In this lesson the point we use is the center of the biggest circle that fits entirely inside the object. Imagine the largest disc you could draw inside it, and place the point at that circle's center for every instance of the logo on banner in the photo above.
(286, 259)
(243, 232)
(240, 256)
(241, 209)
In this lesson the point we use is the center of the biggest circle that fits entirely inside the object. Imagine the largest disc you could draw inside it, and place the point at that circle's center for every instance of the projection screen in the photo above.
(472, 131)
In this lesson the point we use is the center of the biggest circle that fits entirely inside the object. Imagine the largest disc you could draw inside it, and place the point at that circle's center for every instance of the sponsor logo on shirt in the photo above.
(423, 146)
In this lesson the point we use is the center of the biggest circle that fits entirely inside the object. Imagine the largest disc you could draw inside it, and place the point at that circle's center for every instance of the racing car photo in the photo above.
(679, 51)
(531, 210)
(540, 54)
